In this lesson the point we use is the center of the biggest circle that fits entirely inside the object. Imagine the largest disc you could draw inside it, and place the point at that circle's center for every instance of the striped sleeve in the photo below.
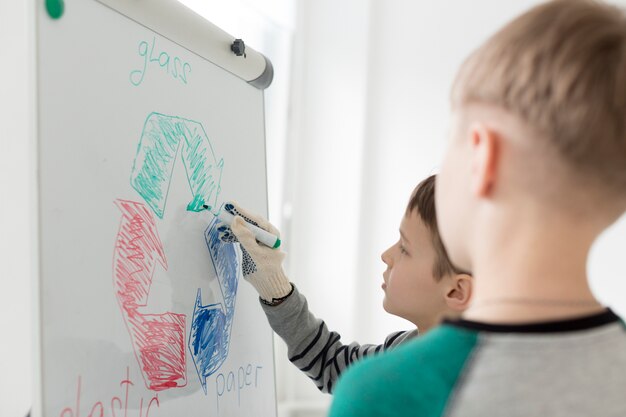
(313, 348)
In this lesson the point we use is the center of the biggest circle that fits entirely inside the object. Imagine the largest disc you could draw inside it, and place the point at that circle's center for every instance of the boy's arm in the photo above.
(313, 348)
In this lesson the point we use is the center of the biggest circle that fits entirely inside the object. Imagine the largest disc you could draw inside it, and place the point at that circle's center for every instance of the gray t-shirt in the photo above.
(566, 368)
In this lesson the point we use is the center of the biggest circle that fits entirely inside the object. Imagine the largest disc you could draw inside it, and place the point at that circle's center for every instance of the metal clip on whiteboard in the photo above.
(179, 24)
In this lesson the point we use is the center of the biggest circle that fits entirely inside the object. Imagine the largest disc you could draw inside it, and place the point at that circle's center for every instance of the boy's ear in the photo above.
(485, 144)
(459, 292)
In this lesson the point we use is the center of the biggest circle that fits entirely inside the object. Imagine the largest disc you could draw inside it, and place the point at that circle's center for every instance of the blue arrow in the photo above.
(211, 325)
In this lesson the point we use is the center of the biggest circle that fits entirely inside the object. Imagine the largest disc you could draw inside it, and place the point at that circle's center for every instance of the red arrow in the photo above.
(158, 339)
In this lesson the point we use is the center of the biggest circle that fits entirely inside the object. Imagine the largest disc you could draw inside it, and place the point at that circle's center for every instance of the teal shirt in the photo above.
(568, 368)
(380, 386)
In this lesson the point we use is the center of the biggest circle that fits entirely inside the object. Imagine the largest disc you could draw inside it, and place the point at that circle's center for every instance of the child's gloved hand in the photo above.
(262, 266)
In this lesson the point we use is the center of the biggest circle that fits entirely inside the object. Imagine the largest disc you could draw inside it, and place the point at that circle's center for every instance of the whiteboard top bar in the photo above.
(181, 25)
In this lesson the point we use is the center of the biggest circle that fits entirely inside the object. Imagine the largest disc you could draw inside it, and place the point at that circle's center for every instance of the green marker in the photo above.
(261, 235)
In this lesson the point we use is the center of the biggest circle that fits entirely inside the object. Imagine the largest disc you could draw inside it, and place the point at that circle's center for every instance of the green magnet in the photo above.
(55, 8)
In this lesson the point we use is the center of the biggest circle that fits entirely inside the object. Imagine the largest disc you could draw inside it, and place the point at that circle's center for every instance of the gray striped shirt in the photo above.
(313, 348)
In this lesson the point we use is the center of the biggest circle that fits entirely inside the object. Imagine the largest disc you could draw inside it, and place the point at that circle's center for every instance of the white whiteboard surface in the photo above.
(142, 311)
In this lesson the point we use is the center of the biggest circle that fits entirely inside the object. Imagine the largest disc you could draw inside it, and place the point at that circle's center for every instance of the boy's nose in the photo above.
(385, 256)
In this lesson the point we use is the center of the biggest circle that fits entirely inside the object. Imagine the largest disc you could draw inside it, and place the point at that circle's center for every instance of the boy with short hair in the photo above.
(420, 284)
(534, 172)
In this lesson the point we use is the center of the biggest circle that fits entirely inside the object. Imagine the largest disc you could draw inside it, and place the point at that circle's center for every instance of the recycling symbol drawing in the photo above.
(159, 340)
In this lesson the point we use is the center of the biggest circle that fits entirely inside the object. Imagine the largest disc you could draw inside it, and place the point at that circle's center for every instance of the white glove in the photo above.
(262, 266)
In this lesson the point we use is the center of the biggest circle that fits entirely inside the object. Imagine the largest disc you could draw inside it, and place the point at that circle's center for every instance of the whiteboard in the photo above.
(143, 311)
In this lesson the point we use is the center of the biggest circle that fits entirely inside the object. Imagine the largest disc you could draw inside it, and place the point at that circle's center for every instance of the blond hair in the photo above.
(560, 68)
